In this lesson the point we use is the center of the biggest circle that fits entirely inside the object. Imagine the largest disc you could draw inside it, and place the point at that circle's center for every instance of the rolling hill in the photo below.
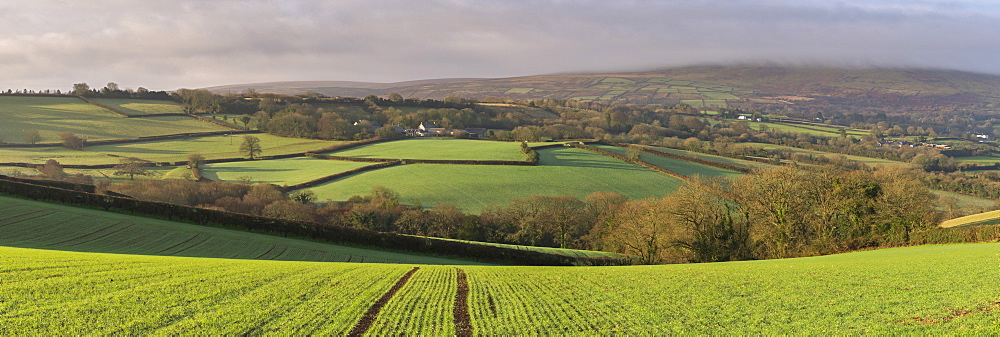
(699, 86)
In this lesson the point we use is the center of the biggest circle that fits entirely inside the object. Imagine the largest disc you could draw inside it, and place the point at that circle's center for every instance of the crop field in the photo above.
(720, 159)
(683, 167)
(174, 150)
(562, 171)
(279, 172)
(141, 106)
(32, 224)
(967, 203)
(943, 289)
(438, 148)
(53, 115)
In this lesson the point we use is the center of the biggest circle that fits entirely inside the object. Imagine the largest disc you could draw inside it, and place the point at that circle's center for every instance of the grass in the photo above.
(683, 167)
(562, 171)
(175, 150)
(927, 290)
(438, 148)
(33, 224)
(279, 172)
(53, 115)
(988, 160)
(141, 106)
(720, 159)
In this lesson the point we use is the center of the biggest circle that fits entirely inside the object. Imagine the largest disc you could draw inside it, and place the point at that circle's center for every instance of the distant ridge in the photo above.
(330, 88)
(708, 87)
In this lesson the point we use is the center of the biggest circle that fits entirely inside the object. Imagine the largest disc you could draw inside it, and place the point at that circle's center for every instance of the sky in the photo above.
(171, 44)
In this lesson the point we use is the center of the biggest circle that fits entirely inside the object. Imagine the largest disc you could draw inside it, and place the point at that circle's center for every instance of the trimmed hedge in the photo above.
(956, 235)
(333, 177)
(105, 107)
(283, 227)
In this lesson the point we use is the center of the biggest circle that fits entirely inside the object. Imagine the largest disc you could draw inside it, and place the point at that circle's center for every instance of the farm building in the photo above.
(426, 126)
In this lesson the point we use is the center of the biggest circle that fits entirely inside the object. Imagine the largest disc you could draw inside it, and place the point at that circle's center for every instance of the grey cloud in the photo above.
(172, 44)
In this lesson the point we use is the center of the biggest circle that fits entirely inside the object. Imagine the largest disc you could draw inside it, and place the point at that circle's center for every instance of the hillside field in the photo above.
(561, 171)
(173, 150)
(33, 224)
(437, 148)
(133, 106)
(683, 167)
(53, 115)
(719, 159)
(944, 289)
(279, 171)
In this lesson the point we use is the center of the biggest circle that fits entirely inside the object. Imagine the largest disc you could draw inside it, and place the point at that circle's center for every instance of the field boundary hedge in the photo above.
(105, 107)
(336, 176)
(982, 233)
(333, 234)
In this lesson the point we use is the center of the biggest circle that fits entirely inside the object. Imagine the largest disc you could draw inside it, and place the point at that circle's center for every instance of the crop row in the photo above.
(939, 289)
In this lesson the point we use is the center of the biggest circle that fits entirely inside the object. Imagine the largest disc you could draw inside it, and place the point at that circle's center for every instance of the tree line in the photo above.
(774, 213)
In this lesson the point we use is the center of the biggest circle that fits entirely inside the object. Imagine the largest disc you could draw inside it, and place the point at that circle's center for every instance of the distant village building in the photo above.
(426, 126)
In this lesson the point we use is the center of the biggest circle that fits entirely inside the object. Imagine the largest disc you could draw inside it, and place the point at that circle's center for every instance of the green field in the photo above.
(720, 159)
(987, 160)
(683, 167)
(927, 290)
(212, 147)
(438, 148)
(53, 115)
(562, 171)
(33, 224)
(141, 106)
(279, 172)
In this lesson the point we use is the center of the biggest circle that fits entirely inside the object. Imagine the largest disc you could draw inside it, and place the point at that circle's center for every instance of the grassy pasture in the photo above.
(279, 172)
(562, 171)
(989, 160)
(438, 148)
(53, 115)
(33, 224)
(683, 167)
(141, 106)
(944, 289)
(212, 147)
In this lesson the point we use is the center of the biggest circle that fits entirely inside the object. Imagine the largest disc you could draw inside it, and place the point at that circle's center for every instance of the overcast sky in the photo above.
(170, 44)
